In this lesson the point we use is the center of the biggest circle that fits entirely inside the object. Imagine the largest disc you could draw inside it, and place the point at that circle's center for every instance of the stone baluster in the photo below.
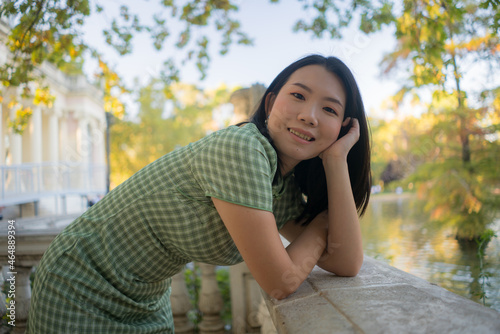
(3, 306)
(18, 284)
(23, 298)
(210, 303)
(264, 318)
(181, 305)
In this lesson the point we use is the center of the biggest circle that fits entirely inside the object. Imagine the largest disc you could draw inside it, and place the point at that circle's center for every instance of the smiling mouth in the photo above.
(301, 135)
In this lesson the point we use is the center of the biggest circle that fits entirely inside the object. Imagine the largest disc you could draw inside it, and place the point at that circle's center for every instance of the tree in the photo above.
(401, 145)
(437, 41)
(162, 125)
(51, 31)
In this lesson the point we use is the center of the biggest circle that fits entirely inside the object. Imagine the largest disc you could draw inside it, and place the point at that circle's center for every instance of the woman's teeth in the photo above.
(298, 134)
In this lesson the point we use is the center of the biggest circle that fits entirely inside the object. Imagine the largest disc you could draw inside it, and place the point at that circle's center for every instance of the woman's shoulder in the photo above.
(237, 165)
(236, 145)
(242, 138)
(248, 131)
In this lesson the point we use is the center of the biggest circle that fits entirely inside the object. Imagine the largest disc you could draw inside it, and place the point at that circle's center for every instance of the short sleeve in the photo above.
(237, 165)
(288, 205)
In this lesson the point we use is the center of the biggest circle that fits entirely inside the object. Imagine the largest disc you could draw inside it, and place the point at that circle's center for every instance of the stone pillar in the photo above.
(179, 299)
(16, 144)
(210, 303)
(83, 145)
(60, 169)
(265, 320)
(100, 157)
(53, 137)
(246, 298)
(23, 297)
(63, 137)
(100, 143)
(50, 174)
(36, 135)
(3, 306)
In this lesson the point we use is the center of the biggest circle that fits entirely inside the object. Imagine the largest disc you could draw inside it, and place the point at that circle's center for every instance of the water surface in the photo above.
(396, 233)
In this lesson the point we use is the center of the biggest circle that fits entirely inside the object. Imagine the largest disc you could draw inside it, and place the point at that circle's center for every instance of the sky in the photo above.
(275, 47)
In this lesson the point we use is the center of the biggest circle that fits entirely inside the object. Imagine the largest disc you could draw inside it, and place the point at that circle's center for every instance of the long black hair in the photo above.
(310, 174)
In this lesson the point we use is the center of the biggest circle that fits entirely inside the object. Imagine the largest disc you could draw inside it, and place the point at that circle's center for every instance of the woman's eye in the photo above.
(330, 110)
(298, 95)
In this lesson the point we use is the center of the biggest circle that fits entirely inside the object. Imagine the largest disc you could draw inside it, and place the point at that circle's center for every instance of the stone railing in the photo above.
(30, 182)
(34, 235)
(210, 303)
(380, 299)
(248, 309)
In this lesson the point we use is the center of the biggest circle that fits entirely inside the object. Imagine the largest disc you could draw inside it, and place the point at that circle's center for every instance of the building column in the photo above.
(53, 137)
(100, 145)
(16, 143)
(81, 177)
(36, 135)
(63, 131)
(83, 144)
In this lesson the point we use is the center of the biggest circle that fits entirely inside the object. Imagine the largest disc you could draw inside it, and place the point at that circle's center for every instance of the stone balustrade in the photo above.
(380, 299)
(34, 235)
(249, 312)
(31, 182)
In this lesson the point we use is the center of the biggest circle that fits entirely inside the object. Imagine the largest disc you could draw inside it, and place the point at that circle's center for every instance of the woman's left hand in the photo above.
(341, 147)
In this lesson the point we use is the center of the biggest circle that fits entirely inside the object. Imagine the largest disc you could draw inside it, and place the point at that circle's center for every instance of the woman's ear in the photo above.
(270, 98)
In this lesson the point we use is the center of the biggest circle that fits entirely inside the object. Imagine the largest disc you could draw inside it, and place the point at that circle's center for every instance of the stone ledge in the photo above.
(381, 299)
(32, 238)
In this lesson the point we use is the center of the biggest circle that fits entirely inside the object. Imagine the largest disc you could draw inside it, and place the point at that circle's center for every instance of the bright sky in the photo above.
(275, 47)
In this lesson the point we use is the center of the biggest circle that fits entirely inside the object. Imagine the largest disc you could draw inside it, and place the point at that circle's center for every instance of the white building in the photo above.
(60, 159)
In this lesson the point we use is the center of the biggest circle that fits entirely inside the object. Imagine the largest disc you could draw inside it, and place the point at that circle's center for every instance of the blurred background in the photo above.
(92, 91)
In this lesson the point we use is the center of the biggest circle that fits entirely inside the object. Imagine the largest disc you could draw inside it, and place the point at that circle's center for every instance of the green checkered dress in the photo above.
(110, 270)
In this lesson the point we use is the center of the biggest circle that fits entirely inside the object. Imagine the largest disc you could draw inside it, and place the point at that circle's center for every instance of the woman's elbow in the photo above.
(280, 294)
(352, 269)
(346, 268)
(347, 272)
(282, 291)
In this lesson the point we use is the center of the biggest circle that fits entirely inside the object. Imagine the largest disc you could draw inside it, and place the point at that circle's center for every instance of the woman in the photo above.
(301, 166)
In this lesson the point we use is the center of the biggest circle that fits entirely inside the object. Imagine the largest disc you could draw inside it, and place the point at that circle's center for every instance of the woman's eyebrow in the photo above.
(309, 90)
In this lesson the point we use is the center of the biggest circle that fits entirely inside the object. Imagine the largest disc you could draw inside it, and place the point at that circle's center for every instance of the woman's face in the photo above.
(306, 116)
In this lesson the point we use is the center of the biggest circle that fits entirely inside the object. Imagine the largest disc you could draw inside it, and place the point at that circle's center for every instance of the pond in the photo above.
(396, 233)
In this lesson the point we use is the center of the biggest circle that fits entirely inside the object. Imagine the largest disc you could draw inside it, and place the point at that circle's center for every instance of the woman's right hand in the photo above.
(341, 147)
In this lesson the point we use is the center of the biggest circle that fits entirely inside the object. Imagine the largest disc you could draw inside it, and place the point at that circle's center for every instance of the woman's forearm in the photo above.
(278, 271)
(344, 250)
(305, 251)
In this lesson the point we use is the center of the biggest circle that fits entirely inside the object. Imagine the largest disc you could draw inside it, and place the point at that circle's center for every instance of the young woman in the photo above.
(301, 167)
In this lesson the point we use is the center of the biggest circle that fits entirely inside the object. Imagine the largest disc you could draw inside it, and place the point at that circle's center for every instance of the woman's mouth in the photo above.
(301, 135)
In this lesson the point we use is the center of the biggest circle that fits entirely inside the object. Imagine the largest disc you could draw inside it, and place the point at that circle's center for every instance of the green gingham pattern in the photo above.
(110, 270)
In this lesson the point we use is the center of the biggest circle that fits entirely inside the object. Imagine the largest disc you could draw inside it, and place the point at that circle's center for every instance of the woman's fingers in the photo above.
(346, 121)
(343, 145)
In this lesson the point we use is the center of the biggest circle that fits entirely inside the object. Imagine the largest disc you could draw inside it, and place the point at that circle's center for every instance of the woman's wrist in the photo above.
(334, 164)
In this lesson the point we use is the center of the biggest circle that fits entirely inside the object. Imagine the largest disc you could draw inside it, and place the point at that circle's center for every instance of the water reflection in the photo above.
(395, 232)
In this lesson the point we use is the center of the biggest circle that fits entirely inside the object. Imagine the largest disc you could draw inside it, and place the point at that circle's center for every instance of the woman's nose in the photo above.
(308, 116)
